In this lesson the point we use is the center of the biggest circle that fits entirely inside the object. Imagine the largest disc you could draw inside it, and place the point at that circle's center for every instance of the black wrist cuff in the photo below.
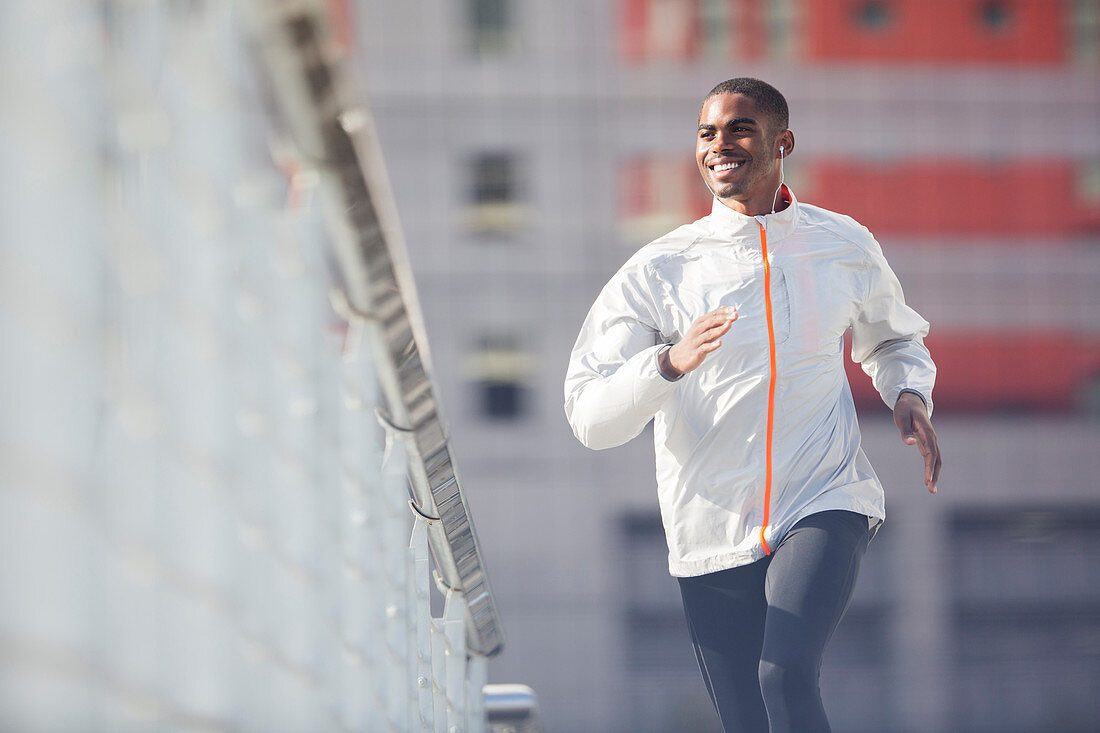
(918, 394)
(657, 357)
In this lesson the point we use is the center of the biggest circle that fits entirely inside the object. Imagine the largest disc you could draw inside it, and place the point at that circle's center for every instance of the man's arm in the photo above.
(614, 386)
(620, 374)
(618, 380)
(888, 342)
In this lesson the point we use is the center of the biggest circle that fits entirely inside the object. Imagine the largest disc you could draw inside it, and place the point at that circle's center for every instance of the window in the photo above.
(499, 369)
(716, 18)
(1088, 182)
(657, 194)
(995, 16)
(494, 206)
(492, 178)
(674, 31)
(1026, 618)
(491, 26)
(1085, 21)
(874, 15)
(784, 39)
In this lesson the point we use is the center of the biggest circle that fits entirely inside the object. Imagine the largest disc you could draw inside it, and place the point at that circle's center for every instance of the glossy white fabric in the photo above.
(828, 274)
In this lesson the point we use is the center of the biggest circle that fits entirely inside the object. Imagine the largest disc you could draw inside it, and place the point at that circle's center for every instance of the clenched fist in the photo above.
(704, 336)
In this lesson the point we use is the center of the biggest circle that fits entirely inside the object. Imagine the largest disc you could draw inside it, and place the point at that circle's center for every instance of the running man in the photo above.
(728, 334)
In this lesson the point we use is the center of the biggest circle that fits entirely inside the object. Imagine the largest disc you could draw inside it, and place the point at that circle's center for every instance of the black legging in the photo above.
(759, 630)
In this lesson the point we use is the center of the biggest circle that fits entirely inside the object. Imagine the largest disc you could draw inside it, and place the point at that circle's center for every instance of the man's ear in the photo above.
(785, 141)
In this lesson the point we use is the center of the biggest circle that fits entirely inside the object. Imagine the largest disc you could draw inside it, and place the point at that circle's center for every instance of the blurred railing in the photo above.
(334, 136)
(210, 427)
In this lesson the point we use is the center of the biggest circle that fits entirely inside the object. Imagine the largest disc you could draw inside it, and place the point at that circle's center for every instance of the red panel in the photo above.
(1029, 198)
(632, 18)
(1034, 31)
(340, 15)
(997, 372)
(751, 32)
(636, 188)
(699, 199)
(693, 38)
(952, 196)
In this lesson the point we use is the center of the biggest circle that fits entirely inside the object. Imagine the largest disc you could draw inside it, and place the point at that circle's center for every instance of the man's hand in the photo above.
(911, 417)
(703, 337)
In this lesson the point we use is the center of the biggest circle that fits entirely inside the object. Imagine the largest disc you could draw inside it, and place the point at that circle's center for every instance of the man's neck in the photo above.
(758, 206)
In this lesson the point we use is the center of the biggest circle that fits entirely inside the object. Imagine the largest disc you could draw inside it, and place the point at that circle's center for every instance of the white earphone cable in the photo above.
(776, 195)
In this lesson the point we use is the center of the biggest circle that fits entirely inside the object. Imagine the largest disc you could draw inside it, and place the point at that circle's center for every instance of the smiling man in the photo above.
(728, 333)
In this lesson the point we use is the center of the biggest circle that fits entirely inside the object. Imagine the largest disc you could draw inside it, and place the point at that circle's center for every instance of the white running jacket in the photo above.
(764, 432)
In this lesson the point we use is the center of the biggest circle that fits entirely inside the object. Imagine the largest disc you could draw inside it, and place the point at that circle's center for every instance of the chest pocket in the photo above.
(741, 286)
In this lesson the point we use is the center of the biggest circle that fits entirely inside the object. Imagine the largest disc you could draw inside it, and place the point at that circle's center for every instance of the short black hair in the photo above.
(768, 99)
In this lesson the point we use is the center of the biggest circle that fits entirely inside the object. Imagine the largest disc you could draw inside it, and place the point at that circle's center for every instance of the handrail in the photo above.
(309, 82)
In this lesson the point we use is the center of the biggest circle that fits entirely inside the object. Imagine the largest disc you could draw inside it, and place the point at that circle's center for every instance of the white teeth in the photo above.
(725, 166)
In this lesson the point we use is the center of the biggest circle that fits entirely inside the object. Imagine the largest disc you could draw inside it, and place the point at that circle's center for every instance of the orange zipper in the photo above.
(771, 388)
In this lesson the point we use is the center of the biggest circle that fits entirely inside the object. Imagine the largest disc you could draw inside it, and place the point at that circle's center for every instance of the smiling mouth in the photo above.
(725, 167)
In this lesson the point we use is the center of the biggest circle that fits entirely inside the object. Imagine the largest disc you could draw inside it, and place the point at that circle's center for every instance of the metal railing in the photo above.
(334, 134)
(209, 433)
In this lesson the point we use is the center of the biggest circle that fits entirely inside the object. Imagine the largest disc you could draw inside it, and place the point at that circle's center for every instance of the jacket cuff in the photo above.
(657, 360)
(923, 399)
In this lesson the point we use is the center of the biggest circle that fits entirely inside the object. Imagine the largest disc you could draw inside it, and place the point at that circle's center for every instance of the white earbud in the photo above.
(780, 151)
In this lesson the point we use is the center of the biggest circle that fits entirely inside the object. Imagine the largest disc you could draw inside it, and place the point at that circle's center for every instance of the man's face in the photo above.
(735, 150)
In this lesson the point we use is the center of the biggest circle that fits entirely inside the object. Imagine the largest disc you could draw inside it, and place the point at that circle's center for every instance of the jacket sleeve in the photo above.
(613, 386)
(888, 336)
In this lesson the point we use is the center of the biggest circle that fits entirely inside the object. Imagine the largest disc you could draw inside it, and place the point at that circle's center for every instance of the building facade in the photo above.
(534, 146)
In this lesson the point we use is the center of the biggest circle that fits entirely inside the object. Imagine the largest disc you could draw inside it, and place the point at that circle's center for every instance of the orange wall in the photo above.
(1019, 196)
(937, 30)
(989, 371)
(1034, 32)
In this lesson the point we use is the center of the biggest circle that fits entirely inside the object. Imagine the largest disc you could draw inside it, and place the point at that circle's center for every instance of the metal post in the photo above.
(454, 633)
(420, 644)
(477, 673)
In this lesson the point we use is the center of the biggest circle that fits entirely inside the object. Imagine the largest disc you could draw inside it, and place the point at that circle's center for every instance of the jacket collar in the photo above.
(725, 222)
